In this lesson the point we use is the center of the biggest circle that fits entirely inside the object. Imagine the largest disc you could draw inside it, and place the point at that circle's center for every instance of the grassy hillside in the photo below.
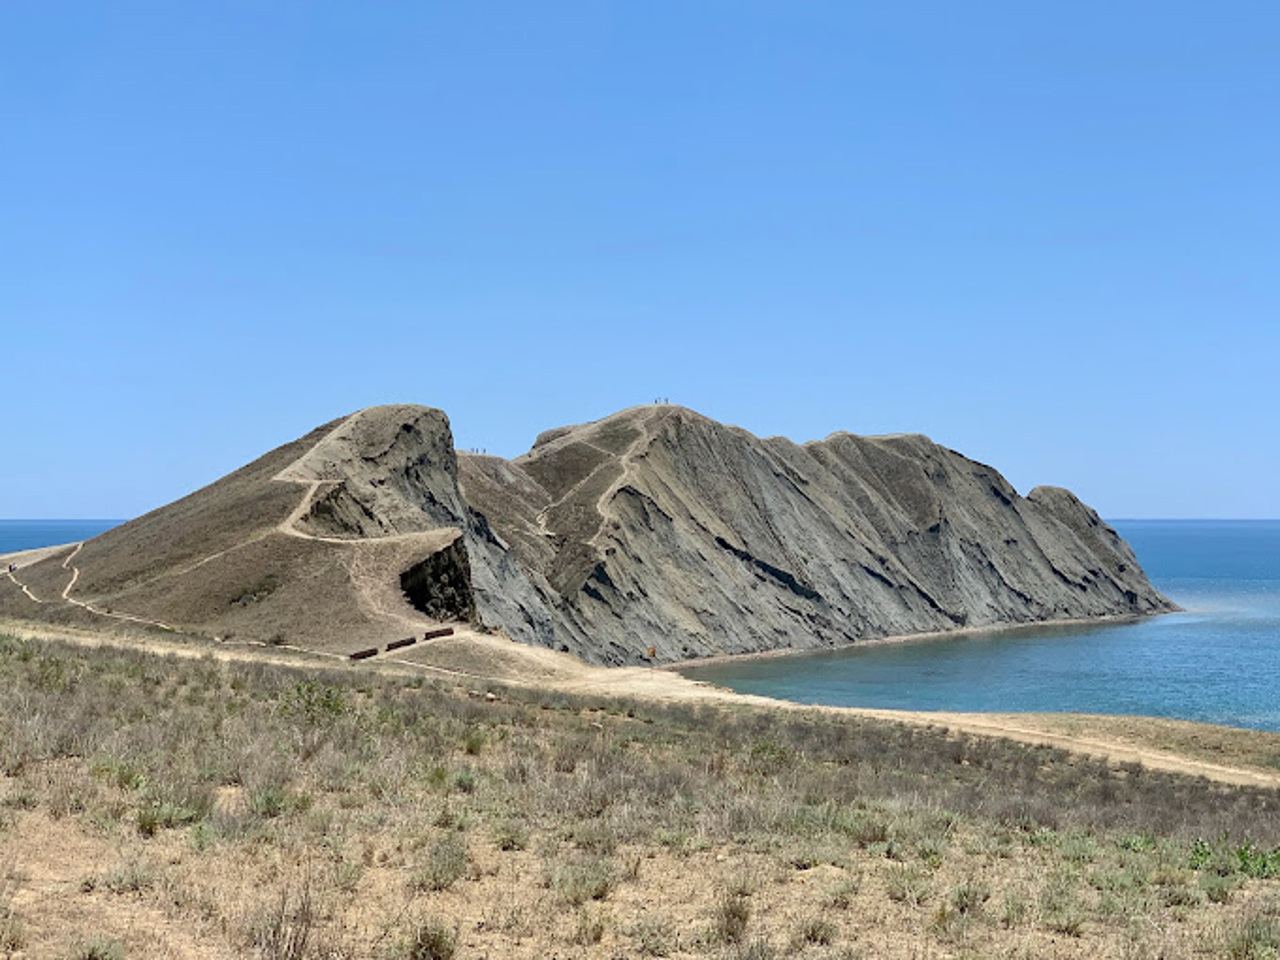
(163, 807)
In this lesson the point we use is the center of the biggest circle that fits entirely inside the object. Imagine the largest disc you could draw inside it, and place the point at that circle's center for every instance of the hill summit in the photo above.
(653, 529)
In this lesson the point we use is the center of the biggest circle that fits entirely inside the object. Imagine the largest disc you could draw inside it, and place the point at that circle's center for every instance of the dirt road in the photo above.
(477, 659)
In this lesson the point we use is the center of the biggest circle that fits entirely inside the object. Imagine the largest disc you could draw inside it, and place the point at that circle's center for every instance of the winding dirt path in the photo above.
(643, 440)
(75, 575)
(366, 582)
(1025, 730)
(495, 659)
(22, 586)
(480, 658)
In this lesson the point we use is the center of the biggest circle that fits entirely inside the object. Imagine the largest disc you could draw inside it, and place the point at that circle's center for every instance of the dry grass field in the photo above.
(177, 807)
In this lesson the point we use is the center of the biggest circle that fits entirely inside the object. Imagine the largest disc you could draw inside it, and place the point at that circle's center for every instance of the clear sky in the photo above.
(1046, 234)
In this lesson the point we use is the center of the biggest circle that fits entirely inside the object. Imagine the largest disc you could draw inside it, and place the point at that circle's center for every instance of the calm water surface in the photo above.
(29, 534)
(1218, 662)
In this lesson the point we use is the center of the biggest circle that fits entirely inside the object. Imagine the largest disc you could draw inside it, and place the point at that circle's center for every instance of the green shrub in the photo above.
(1262, 864)
(156, 815)
(347, 874)
(969, 898)
(1257, 938)
(1060, 906)
(314, 702)
(1182, 896)
(840, 896)
(730, 917)
(583, 878)
(817, 930)
(755, 950)
(908, 884)
(99, 948)
(589, 930)
(510, 835)
(447, 861)
(427, 940)
(131, 876)
(464, 781)
(12, 932)
(474, 741)
(653, 936)
(1218, 889)
(269, 802)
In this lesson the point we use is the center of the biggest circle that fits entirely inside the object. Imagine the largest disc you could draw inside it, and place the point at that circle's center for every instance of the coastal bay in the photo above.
(1213, 662)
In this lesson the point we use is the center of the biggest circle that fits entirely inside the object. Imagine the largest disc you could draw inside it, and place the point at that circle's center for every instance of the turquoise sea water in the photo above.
(28, 534)
(1218, 662)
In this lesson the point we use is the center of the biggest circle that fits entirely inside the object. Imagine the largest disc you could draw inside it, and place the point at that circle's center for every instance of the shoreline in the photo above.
(1234, 755)
(32, 555)
(928, 636)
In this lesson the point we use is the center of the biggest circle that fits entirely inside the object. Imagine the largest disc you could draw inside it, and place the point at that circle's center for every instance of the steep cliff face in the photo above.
(351, 536)
(653, 528)
(660, 528)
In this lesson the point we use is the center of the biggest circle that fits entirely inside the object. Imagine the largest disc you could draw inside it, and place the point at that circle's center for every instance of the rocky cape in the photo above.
(655, 529)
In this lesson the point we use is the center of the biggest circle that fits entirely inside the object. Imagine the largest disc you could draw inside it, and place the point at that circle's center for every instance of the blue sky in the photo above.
(1045, 234)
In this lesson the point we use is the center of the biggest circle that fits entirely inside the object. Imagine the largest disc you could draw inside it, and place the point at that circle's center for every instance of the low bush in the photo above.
(426, 939)
(447, 862)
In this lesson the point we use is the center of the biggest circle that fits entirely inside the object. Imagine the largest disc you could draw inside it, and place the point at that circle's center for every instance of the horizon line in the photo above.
(1202, 519)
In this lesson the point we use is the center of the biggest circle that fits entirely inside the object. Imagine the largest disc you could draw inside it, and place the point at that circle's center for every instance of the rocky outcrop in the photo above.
(654, 528)
(659, 528)
(440, 585)
(353, 535)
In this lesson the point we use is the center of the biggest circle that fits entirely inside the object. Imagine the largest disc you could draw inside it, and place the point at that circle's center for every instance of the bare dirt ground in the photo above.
(235, 559)
(1241, 757)
(74, 881)
(26, 558)
(75, 865)
(1143, 740)
(57, 866)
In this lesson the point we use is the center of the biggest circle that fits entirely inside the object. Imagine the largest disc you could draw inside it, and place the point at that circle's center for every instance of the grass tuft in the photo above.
(448, 860)
(427, 939)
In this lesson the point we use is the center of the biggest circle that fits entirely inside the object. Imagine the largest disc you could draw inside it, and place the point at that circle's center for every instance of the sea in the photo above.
(28, 534)
(1216, 662)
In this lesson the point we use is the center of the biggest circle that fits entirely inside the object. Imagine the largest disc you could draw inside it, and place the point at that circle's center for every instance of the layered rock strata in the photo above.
(655, 529)
(659, 528)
